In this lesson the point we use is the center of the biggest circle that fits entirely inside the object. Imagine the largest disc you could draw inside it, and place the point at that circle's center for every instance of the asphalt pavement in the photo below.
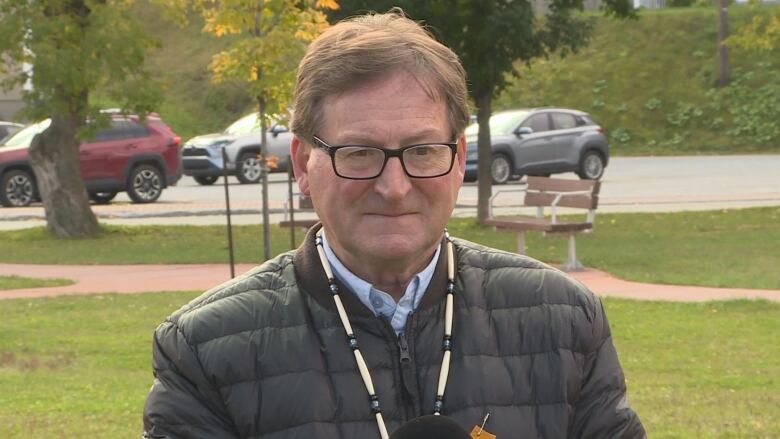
(630, 184)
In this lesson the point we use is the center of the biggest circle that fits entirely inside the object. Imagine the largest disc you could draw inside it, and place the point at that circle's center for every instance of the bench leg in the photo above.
(521, 242)
(572, 264)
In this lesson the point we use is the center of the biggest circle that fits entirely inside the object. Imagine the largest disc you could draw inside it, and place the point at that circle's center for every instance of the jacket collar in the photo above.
(313, 281)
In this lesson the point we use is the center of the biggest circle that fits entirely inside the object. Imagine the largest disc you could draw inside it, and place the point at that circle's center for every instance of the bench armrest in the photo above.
(558, 199)
(495, 195)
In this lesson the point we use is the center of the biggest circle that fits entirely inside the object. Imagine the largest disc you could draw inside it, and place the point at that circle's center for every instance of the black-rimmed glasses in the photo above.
(358, 162)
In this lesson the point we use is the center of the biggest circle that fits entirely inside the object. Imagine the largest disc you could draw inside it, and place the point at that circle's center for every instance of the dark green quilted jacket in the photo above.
(265, 356)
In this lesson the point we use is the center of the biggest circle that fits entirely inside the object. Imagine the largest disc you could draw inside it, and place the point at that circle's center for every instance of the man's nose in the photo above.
(393, 183)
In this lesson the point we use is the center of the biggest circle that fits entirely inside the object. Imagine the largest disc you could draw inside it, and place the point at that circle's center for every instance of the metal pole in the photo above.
(290, 177)
(227, 205)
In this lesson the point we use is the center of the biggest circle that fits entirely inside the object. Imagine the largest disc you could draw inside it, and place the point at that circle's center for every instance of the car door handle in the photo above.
(131, 146)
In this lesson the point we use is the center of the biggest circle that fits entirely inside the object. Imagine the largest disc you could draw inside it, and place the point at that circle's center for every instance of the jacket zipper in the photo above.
(403, 348)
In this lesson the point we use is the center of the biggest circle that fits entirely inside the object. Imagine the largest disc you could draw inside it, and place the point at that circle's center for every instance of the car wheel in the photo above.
(500, 169)
(248, 168)
(18, 189)
(145, 184)
(206, 180)
(102, 197)
(591, 166)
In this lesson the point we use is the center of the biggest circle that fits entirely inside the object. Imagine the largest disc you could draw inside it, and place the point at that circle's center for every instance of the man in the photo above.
(379, 318)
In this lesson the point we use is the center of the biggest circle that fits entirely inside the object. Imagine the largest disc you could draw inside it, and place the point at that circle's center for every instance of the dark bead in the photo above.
(375, 404)
(450, 287)
(334, 288)
(438, 406)
(447, 344)
(353, 344)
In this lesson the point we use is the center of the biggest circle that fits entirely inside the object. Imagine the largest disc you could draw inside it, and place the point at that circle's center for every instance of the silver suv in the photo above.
(540, 141)
(202, 155)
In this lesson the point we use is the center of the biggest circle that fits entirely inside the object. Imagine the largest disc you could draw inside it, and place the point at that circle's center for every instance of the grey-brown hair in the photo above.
(369, 46)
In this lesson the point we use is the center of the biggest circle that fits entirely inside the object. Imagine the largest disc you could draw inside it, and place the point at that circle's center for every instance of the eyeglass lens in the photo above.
(419, 161)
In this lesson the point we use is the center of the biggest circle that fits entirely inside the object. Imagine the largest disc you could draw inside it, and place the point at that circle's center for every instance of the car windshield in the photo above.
(25, 135)
(245, 125)
(501, 123)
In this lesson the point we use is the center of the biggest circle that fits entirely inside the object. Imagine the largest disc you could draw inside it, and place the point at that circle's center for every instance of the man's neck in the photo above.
(390, 276)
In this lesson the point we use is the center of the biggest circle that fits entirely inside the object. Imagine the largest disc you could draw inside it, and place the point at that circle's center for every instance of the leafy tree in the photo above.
(491, 37)
(276, 33)
(75, 47)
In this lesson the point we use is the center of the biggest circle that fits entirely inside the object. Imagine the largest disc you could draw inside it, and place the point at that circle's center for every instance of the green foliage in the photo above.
(76, 47)
(762, 34)
(662, 68)
(755, 110)
(274, 35)
(653, 104)
(620, 135)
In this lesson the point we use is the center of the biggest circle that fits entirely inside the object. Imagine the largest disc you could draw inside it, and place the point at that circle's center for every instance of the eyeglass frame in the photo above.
(389, 153)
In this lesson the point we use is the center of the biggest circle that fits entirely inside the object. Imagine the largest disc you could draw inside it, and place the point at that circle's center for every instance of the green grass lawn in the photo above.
(79, 366)
(16, 282)
(728, 248)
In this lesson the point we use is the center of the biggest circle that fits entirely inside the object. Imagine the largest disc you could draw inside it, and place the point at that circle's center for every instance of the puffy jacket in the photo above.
(265, 355)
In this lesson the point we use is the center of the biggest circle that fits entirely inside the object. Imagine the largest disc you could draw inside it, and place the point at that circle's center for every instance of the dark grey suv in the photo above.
(540, 141)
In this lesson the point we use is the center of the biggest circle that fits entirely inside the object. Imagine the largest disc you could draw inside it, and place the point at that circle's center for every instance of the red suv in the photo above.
(141, 159)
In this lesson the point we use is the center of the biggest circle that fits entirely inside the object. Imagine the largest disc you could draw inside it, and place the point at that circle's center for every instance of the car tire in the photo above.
(248, 169)
(102, 197)
(17, 188)
(145, 184)
(206, 180)
(500, 169)
(591, 166)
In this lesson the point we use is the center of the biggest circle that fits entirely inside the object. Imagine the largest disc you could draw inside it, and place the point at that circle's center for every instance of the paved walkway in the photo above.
(92, 279)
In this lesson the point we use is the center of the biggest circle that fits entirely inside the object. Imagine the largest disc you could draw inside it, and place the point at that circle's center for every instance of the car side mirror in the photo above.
(276, 129)
(522, 131)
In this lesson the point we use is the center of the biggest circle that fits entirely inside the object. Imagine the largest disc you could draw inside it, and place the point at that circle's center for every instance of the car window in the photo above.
(584, 120)
(537, 122)
(500, 123)
(246, 125)
(25, 135)
(135, 129)
(114, 132)
(563, 121)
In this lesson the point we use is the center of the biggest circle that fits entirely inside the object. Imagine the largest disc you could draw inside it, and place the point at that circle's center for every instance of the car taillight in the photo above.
(176, 141)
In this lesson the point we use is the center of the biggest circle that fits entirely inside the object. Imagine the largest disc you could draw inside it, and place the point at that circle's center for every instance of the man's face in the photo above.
(394, 217)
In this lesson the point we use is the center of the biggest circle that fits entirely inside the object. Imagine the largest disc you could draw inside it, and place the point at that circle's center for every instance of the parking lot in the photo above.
(630, 184)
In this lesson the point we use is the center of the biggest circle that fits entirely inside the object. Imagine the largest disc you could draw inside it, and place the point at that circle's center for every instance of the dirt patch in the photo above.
(31, 363)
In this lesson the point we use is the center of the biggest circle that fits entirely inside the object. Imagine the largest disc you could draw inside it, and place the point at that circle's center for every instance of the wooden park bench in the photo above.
(544, 192)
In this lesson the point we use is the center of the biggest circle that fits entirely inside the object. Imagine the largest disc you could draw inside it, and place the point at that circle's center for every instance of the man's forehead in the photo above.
(394, 105)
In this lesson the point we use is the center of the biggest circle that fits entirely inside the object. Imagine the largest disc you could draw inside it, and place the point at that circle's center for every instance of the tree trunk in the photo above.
(484, 102)
(264, 179)
(54, 155)
(723, 49)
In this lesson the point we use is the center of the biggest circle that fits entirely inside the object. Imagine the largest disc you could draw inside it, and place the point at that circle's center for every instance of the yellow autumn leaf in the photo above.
(327, 4)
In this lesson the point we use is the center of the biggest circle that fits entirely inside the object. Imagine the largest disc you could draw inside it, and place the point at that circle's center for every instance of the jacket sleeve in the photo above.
(602, 410)
(182, 403)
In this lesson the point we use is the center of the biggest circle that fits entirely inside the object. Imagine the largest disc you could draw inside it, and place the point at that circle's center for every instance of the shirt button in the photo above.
(377, 302)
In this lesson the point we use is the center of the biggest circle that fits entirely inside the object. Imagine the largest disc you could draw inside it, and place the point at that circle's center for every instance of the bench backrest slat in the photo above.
(542, 191)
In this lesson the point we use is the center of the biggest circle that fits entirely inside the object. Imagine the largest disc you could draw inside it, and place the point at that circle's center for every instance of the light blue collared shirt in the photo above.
(381, 303)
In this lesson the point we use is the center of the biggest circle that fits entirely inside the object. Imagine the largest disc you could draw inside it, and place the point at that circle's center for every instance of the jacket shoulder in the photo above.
(511, 279)
(238, 304)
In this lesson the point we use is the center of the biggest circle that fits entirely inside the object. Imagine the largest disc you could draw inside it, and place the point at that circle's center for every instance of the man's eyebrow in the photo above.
(421, 136)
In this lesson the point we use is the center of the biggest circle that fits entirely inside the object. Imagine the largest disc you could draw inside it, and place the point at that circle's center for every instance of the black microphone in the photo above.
(430, 427)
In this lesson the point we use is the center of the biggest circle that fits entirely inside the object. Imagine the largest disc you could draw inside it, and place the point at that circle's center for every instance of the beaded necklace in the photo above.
(353, 344)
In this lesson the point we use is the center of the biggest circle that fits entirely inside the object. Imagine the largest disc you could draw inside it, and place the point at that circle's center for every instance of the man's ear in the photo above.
(299, 154)
(460, 158)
